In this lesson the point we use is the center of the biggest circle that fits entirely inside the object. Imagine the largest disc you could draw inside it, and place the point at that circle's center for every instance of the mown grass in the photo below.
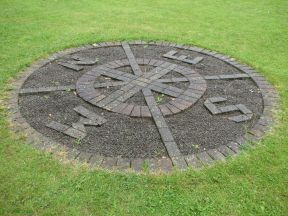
(253, 31)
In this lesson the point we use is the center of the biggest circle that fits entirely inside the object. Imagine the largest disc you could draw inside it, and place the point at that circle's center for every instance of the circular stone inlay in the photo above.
(88, 88)
(117, 105)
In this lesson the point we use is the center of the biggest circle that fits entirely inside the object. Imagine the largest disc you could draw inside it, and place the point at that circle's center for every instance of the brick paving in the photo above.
(130, 84)
(247, 114)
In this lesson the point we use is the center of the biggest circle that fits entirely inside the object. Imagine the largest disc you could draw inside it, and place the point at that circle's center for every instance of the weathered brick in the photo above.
(137, 164)
(128, 109)
(123, 163)
(165, 164)
(84, 156)
(179, 162)
(193, 161)
(225, 150)
(205, 158)
(136, 112)
(109, 162)
(215, 154)
(96, 160)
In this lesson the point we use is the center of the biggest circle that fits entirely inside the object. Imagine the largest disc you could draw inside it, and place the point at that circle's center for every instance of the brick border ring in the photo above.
(269, 95)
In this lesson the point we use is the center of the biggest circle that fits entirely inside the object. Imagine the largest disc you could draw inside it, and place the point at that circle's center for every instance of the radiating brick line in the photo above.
(210, 77)
(135, 67)
(46, 89)
(109, 84)
(165, 133)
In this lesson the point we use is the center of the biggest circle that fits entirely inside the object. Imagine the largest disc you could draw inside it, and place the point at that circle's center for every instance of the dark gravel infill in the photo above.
(120, 135)
(195, 129)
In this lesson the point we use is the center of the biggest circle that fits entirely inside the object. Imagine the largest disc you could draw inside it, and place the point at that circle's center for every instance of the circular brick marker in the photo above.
(88, 88)
(122, 105)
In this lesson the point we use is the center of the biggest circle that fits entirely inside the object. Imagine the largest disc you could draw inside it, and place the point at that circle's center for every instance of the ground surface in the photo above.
(255, 183)
(194, 129)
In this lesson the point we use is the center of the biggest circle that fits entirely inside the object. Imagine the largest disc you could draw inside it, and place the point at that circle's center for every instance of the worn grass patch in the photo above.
(253, 31)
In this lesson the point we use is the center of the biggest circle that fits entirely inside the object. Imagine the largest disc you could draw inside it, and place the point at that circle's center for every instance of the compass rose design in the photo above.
(129, 84)
(145, 82)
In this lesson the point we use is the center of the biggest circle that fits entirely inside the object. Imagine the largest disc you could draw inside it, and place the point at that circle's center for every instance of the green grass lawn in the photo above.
(253, 31)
